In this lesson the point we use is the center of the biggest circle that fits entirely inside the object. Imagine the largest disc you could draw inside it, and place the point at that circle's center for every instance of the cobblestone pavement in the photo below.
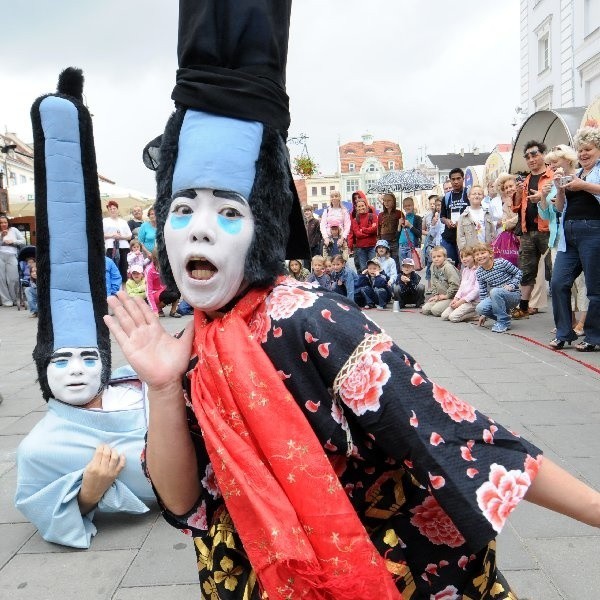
(549, 398)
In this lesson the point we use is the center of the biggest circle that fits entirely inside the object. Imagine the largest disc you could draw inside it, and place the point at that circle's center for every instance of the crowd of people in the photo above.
(486, 253)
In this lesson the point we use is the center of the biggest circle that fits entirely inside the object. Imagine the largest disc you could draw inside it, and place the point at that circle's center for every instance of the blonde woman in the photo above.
(335, 213)
(578, 201)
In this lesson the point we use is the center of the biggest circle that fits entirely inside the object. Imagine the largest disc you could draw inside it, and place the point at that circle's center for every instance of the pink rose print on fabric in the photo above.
(277, 332)
(433, 523)
(324, 349)
(499, 496)
(435, 439)
(260, 324)
(414, 421)
(326, 314)
(198, 519)
(310, 338)
(471, 473)
(454, 407)
(437, 481)
(416, 379)
(532, 465)
(488, 434)
(363, 385)
(209, 482)
(448, 593)
(284, 301)
(312, 406)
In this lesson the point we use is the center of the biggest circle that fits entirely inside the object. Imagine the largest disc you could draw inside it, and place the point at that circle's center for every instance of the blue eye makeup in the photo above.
(60, 364)
(231, 226)
(180, 221)
(89, 362)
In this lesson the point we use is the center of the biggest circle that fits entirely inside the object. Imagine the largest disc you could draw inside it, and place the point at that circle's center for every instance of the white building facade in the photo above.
(560, 53)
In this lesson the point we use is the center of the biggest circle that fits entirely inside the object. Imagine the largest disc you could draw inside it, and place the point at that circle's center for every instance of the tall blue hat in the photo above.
(70, 240)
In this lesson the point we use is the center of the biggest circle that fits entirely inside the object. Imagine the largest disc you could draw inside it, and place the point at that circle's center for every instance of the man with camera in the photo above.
(534, 240)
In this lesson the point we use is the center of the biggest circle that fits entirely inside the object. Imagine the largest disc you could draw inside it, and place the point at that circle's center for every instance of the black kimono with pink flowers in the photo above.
(432, 479)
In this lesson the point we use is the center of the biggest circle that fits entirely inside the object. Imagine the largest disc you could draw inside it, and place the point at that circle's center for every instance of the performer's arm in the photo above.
(172, 466)
(161, 361)
(581, 503)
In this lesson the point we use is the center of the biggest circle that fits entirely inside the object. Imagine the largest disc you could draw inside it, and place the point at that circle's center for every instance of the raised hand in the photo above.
(158, 358)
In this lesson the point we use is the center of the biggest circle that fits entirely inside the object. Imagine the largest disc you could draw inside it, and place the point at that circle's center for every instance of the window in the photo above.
(22, 179)
(313, 190)
(370, 183)
(351, 167)
(332, 188)
(372, 168)
(391, 165)
(323, 190)
(13, 178)
(351, 185)
(544, 53)
(591, 19)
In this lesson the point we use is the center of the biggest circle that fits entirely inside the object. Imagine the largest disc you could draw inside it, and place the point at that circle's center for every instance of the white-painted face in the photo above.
(208, 234)
(74, 375)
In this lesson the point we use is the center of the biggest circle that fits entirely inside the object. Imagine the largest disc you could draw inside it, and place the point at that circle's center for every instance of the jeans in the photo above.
(368, 296)
(452, 251)
(582, 252)
(31, 295)
(404, 251)
(499, 304)
(361, 256)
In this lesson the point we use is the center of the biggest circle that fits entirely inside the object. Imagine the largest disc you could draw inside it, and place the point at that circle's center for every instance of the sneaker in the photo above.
(33, 315)
(517, 313)
(380, 307)
(500, 328)
(7, 304)
(175, 315)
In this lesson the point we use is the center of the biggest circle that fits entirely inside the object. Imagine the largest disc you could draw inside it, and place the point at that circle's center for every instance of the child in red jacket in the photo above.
(363, 234)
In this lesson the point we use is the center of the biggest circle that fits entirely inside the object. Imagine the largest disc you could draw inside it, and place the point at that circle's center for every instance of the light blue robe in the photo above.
(51, 461)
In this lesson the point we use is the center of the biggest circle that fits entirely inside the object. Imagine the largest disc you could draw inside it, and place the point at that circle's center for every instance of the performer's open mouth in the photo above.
(75, 385)
(200, 269)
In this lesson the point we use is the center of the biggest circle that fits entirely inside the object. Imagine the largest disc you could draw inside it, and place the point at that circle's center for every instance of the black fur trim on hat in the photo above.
(70, 83)
(271, 200)
(95, 235)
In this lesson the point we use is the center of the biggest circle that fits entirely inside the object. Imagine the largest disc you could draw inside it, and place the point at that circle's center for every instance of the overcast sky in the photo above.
(432, 73)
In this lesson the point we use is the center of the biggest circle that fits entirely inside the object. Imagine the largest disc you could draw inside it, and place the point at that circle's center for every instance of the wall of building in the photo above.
(560, 53)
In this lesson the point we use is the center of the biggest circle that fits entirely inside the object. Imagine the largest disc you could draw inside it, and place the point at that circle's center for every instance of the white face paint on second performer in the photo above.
(74, 375)
(208, 234)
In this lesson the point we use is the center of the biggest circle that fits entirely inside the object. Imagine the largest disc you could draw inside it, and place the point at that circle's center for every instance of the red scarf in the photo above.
(298, 527)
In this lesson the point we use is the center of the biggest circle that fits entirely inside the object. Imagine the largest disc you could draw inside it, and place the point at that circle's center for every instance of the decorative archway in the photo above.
(553, 126)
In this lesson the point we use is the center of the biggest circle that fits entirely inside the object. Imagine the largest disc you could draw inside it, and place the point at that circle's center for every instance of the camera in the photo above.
(562, 181)
(520, 178)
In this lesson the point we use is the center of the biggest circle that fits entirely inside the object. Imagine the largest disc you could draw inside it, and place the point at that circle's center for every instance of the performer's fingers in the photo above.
(115, 328)
(131, 308)
(114, 459)
(122, 461)
(145, 311)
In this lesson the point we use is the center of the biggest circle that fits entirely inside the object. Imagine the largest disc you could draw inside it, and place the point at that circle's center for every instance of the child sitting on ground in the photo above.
(136, 284)
(462, 307)
(445, 280)
(499, 290)
(372, 289)
(135, 256)
(343, 279)
(297, 270)
(337, 244)
(407, 288)
(318, 272)
(386, 262)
